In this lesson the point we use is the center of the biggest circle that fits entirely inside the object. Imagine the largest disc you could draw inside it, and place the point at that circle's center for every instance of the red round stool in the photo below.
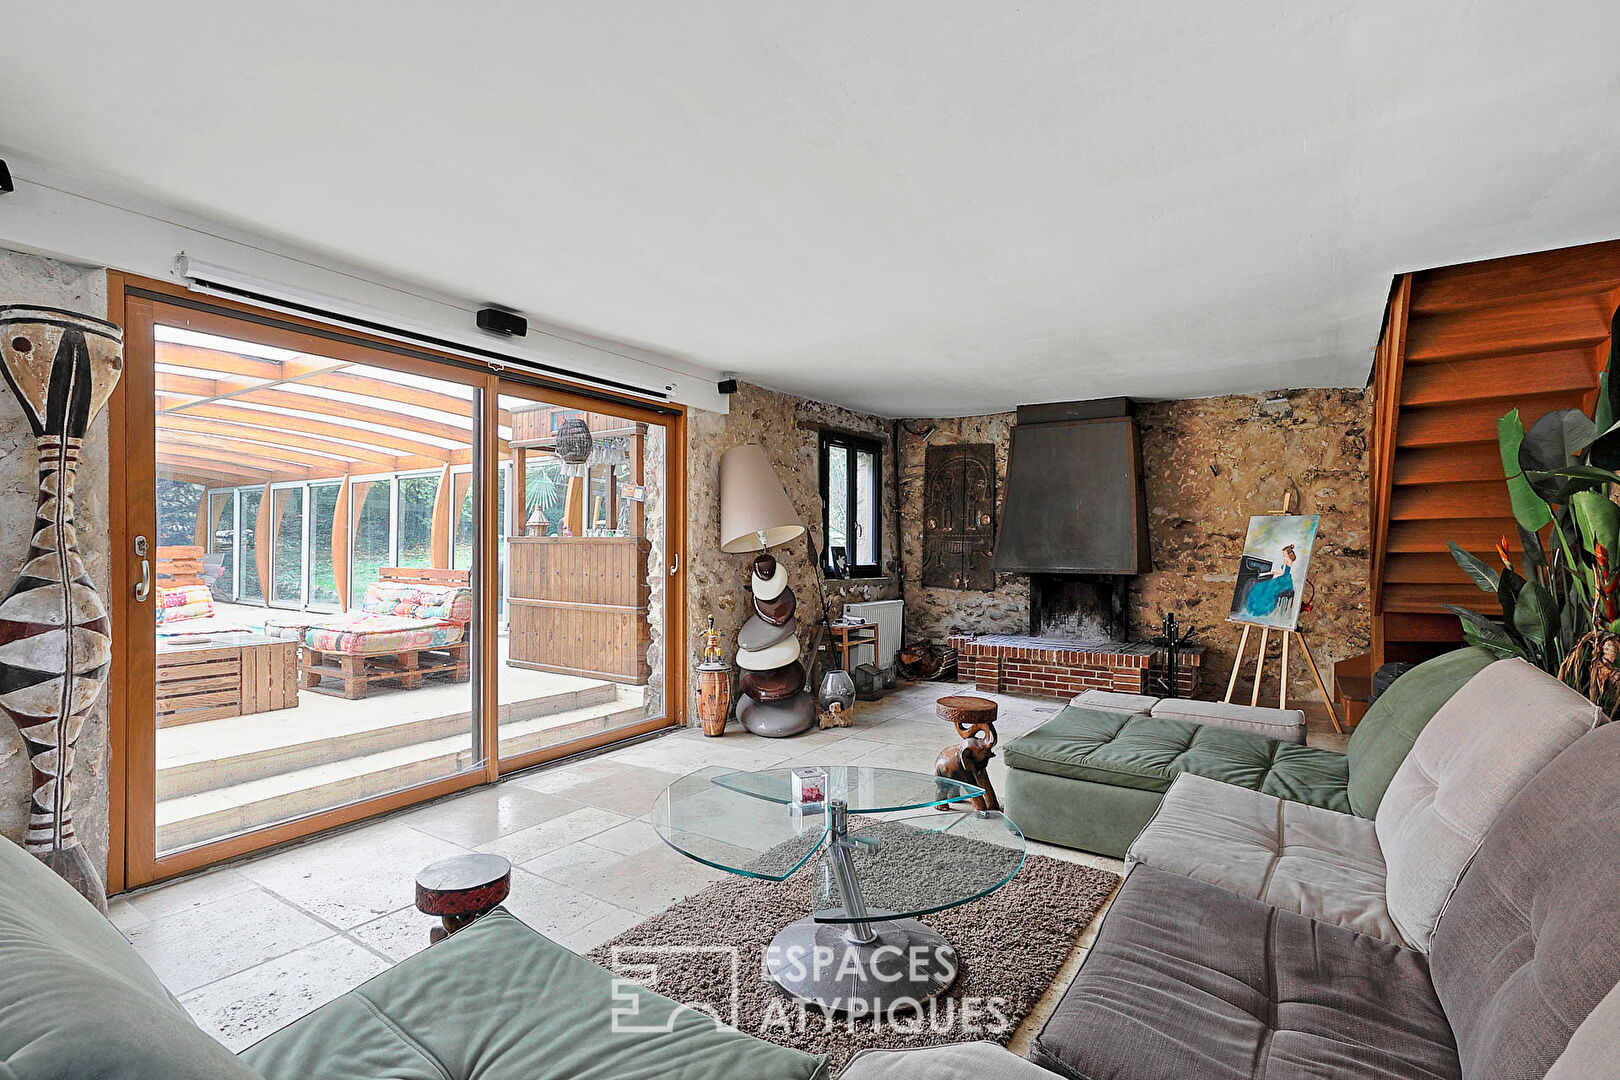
(459, 890)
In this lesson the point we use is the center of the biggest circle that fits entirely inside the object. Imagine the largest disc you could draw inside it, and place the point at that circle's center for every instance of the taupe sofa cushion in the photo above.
(1531, 943)
(1292, 856)
(1595, 1046)
(1108, 700)
(956, 1061)
(1478, 752)
(1285, 724)
(1188, 980)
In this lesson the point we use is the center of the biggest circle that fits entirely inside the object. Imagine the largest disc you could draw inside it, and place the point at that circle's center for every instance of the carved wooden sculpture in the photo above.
(975, 720)
(55, 638)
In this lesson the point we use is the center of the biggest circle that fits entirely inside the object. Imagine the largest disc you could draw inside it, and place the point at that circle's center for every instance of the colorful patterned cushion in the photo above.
(293, 626)
(452, 602)
(372, 635)
(184, 602)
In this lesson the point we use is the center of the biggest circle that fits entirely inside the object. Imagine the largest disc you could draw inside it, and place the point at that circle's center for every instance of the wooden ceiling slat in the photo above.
(309, 403)
(310, 425)
(383, 460)
(229, 447)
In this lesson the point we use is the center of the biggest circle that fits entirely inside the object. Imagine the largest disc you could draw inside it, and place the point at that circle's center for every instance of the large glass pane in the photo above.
(372, 508)
(838, 538)
(865, 508)
(287, 546)
(219, 565)
(418, 499)
(323, 519)
(312, 484)
(254, 560)
(580, 653)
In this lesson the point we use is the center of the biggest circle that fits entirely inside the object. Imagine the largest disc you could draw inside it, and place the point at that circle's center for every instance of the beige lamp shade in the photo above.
(754, 509)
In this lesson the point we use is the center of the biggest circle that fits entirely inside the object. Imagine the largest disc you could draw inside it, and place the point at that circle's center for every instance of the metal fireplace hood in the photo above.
(1075, 503)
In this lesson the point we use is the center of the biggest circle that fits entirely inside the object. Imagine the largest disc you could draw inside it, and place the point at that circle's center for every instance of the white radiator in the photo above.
(890, 616)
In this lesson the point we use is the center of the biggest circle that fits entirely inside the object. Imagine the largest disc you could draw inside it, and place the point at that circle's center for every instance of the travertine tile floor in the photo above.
(252, 946)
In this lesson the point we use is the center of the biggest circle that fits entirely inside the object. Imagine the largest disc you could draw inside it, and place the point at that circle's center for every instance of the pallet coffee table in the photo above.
(235, 675)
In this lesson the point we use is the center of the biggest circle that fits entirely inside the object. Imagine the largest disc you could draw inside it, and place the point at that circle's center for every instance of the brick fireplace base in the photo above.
(1060, 668)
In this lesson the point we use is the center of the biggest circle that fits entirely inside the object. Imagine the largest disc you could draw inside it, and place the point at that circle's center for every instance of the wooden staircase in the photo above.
(1461, 346)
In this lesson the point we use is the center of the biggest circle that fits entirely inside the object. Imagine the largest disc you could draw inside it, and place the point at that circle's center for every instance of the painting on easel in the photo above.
(1271, 573)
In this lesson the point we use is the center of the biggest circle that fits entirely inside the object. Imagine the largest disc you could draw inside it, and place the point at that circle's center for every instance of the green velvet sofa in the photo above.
(1092, 778)
(495, 1000)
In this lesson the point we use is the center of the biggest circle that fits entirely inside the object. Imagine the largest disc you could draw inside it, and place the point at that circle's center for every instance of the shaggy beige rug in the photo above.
(1010, 945)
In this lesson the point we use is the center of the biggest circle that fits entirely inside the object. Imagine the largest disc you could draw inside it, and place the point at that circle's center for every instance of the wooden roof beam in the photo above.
(319, 406)
(311, 425)
(209, 426)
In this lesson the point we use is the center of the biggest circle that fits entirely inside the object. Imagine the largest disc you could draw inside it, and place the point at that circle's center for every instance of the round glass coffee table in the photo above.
(883, 847)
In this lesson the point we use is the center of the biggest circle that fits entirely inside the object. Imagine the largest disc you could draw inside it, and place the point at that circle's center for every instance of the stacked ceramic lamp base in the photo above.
(774, 702)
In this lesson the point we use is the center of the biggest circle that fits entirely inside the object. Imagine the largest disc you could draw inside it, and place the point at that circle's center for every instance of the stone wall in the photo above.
(935, 614)
(1209, 464)
(27, 279)
(788, 427)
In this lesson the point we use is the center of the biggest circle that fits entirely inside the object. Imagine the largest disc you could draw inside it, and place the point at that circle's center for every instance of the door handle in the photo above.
(143, 588)
(675, 566)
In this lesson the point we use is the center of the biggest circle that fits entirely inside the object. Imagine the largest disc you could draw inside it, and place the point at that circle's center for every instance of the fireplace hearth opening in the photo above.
(1079, 607)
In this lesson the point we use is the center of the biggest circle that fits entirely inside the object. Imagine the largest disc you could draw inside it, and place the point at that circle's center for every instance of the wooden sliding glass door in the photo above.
(354, 576)
(585, 572)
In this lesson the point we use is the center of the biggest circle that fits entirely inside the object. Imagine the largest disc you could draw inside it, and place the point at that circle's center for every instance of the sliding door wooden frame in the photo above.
(133, 303)
(674, 433)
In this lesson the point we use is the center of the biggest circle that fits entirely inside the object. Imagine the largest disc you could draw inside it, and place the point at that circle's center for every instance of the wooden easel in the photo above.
(1289, 636)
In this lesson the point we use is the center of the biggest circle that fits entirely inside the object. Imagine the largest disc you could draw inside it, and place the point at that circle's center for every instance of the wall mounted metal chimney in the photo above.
(1075, 502)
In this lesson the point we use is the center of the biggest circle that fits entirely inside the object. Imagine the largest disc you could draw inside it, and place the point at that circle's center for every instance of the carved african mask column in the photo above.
(55, 637)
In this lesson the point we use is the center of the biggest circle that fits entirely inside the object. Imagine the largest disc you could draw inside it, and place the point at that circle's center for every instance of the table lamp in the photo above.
(756, 514)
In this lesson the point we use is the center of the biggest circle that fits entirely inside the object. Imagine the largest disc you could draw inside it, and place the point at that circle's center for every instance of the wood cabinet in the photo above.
(578, 606)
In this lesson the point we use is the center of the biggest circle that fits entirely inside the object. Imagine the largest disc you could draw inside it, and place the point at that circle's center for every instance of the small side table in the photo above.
(853, 636)
(460, 889)
(967, 762)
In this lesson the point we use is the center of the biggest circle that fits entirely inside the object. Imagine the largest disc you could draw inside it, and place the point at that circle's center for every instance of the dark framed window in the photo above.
(851, 498)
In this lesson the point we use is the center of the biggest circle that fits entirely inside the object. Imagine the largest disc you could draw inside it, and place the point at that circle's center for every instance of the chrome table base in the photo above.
(861, 963)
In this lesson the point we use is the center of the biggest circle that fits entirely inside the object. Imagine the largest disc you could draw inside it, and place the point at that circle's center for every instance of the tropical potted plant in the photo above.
(1561, 607)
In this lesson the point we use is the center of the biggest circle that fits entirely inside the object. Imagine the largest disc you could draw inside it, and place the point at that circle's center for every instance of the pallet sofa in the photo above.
(1092, 776)
(412, 626)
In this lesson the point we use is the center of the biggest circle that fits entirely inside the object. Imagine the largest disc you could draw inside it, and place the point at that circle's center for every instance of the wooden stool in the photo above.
(459, 890)
(975, 720)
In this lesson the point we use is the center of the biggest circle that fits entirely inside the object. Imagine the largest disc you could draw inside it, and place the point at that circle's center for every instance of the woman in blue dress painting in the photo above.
(1264, 594)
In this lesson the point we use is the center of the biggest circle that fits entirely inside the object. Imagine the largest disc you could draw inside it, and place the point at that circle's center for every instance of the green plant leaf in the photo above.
(1605, 450)
(1483, 575)
(1570, 479)
(1553, 443)
(1529, 509)
(1485, 632)
(1535, 618)
(1598, 520)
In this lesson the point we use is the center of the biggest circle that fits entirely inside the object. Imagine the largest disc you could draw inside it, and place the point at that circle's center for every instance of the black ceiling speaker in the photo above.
(501, 322)
(726, 386)
(5, 178)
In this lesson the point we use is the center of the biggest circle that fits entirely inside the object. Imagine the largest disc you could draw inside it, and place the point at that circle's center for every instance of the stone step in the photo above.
(195, 776)
(226, 810)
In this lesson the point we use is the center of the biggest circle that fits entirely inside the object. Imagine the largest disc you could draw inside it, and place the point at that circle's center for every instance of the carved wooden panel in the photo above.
(959, 516)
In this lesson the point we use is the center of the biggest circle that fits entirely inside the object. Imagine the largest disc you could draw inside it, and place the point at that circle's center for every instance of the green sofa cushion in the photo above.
(498, 1000)
(1147, 752)
(1385, 735)
(76, 1002)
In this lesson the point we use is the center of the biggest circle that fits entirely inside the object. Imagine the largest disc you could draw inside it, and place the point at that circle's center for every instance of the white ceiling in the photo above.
(917, 208)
